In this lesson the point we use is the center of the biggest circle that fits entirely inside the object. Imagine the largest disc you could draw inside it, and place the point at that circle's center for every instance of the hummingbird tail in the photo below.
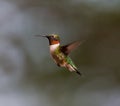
(78, 72)
(73, 68)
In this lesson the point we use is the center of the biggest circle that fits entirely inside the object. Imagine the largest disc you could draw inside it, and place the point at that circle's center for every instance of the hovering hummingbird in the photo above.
(60, 54)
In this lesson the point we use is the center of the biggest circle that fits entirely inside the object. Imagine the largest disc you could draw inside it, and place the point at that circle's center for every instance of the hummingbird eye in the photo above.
(53, 38)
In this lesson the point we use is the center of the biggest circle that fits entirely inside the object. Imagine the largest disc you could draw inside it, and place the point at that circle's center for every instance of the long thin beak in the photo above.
(41, 35)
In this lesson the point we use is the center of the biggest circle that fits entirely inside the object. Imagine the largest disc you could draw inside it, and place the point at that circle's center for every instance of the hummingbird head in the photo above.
(53, 38)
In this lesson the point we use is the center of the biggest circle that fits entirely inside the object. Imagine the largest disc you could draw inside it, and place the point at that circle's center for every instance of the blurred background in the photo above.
(28, 76)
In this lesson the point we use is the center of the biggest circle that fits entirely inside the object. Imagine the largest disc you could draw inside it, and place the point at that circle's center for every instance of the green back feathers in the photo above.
(69, 61)
(66, 58)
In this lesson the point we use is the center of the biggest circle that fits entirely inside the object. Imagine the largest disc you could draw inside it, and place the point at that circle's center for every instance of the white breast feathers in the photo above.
(53, 47)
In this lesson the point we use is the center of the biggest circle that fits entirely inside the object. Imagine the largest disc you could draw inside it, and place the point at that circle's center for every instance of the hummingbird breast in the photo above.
(59, 59)
(57, 55)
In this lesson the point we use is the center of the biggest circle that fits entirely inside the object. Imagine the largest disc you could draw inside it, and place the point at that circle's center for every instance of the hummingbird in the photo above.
(60, 54)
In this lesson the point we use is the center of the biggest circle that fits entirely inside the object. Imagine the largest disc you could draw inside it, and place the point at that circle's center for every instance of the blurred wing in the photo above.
(70, 47)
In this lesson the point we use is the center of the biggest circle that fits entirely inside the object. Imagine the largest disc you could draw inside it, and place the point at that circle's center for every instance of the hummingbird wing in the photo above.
(70, 47)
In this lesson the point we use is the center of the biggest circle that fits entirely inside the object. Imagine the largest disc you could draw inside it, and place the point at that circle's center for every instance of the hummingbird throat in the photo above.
(53, 42)
(53, 47)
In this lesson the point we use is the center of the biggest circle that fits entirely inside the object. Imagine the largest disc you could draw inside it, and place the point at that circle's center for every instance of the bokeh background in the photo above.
(28, 76)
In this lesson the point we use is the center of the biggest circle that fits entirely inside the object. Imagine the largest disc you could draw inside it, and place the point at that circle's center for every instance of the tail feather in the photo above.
(78, 72)
(72, 68)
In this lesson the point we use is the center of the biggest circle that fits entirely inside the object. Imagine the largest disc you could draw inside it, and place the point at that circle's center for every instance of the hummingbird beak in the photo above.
(41, 36)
